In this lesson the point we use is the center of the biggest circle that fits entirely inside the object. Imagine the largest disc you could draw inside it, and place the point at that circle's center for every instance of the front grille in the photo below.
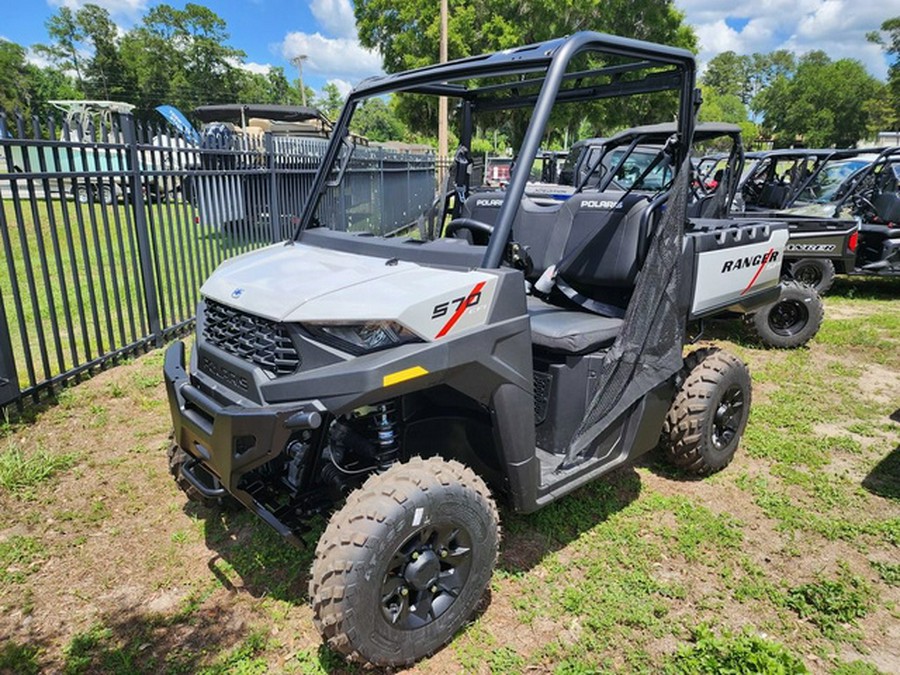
(260, 341)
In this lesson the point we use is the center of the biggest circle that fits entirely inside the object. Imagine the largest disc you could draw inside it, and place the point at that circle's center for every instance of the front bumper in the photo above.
(227, 441)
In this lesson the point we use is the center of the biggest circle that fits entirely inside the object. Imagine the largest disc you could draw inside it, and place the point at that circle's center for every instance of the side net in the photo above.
(648, 350)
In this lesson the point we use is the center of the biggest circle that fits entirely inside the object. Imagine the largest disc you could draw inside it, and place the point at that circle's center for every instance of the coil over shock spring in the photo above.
(385, 425)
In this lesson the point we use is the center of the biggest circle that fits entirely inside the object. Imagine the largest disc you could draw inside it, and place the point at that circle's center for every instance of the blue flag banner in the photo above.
(177, 119)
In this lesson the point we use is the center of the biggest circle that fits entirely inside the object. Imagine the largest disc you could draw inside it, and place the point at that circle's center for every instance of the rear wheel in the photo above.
(792, 320)
(404, 564)
(705, 422)
(817, 273)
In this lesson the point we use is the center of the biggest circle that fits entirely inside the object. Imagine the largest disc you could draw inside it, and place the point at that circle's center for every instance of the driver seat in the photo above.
(567, 331)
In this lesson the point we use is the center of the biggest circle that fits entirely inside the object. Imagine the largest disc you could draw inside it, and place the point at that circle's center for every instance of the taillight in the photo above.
(853, 241)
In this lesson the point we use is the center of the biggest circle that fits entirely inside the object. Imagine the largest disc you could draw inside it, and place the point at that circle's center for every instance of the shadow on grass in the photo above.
(734, 329)
(527, 540)
(133, 641)
(884, 479)
(866, 288)
(253, 558)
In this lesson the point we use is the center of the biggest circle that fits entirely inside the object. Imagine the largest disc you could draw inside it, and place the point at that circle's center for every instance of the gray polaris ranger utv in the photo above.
(408, 381)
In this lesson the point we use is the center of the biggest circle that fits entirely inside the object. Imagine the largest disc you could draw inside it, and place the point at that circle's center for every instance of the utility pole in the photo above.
(442, 101)
(298, 61)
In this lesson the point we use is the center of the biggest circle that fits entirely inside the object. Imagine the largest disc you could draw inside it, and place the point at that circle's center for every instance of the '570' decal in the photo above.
(460, 307)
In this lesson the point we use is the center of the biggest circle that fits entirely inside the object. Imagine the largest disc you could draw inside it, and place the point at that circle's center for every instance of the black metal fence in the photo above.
(108, 231)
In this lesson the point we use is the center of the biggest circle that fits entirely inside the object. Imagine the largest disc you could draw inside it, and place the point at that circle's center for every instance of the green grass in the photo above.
(889, 572)
(19, 659)
(22, 471)
(733, 653)
(19, 557)
(831, 603)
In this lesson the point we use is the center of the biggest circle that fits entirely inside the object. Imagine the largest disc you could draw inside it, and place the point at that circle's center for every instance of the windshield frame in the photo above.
(547, 62)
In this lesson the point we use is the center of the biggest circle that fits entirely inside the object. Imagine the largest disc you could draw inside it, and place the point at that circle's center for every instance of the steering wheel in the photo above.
(474, 231)
(862, 206)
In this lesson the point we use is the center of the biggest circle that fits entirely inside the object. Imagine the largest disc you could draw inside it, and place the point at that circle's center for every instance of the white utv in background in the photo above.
(411, 380)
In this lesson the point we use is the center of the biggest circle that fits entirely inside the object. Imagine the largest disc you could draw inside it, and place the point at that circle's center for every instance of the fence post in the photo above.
(382, 197)
(274, 207)
(9, 378)
(140, 224)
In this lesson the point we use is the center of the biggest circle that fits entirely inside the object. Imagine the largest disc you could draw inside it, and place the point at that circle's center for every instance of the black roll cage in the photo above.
(851, 185)
(553, 57)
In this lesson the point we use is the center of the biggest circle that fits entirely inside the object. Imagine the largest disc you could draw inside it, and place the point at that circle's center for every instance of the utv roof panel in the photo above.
(439, 79)
(811, 152)
(235, 112)
(659, 133)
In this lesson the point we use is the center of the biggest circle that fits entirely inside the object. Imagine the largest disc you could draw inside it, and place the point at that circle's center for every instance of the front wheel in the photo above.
(792, 320)
(705, 422)
(402, 566)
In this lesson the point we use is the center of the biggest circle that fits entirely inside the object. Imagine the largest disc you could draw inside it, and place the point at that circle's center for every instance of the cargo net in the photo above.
(648, 350)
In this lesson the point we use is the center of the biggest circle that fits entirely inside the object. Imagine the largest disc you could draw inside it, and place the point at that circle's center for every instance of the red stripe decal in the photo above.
(460, 311)
(759, 271)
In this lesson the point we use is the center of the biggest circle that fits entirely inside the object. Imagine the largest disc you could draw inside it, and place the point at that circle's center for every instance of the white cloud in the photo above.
(258, 68)
(343, 86)
(39, 60)
(837, 27)
(335, 17)
(124, 8)
(718, 37)
(339, 57)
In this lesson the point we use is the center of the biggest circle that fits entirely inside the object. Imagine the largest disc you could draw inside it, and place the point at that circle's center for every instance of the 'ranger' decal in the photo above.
(811, 248)
(750, 261)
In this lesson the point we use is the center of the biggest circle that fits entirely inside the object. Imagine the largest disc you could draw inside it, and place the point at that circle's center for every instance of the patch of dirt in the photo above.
(880, 384)
(846, 310)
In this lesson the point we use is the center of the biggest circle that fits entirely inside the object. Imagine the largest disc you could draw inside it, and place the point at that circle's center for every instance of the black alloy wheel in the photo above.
(788, 318)
(426, 575)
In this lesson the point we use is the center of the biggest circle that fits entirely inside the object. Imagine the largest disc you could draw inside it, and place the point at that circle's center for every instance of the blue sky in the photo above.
(272, 31)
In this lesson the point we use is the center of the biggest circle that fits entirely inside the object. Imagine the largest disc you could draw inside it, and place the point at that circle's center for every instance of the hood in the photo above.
(275, 281)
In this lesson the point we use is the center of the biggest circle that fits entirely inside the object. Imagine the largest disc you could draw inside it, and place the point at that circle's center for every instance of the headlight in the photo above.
(362, 338)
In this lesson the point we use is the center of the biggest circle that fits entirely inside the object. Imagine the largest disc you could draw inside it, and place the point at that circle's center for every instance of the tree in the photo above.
(726, 108)
(745, 76)
(330, 101)
(729, 74)
(26, 88)
(13, 83)
(181, 57)
(66, 36)
(407, 36)
(809, 108)
(378, 121)
(105, 74)
(889, 39)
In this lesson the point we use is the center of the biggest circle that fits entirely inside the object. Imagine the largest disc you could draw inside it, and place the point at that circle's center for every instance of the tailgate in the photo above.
(737, 264)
